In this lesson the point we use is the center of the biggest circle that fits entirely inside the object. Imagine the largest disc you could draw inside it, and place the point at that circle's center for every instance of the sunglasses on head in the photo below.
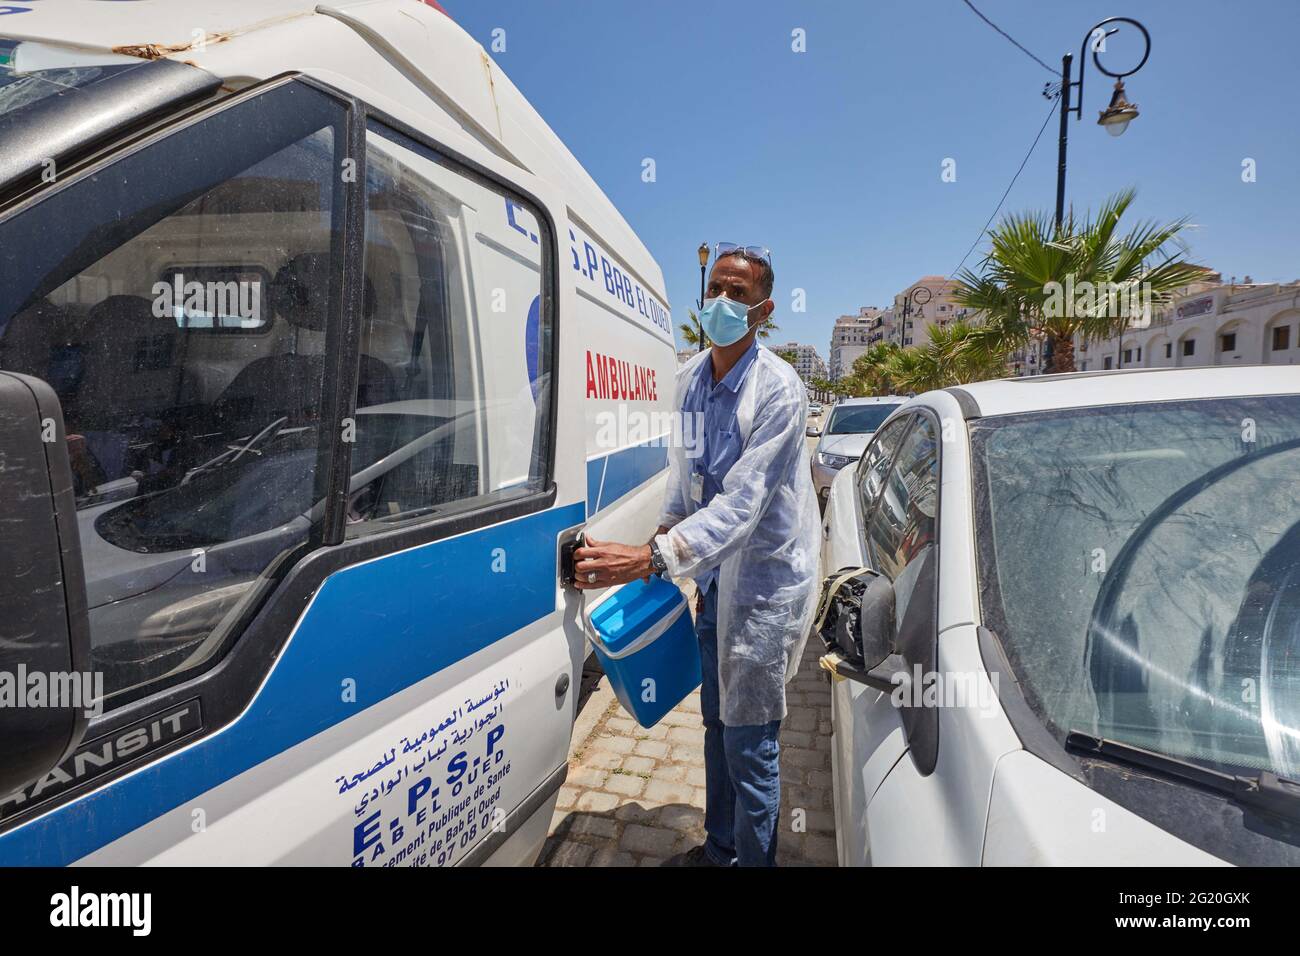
(762, 253)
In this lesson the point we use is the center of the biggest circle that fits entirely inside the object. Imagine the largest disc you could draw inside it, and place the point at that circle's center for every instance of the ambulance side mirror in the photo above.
(44, 629)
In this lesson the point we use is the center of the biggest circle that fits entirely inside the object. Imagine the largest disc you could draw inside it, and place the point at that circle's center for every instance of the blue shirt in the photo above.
(720, 440)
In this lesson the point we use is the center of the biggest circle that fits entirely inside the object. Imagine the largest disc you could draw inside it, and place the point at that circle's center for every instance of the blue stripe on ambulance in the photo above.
(595, 475)
(388, 624)
(614, 475)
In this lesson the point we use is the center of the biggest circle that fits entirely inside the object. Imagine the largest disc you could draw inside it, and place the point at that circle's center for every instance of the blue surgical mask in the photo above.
(725, 321)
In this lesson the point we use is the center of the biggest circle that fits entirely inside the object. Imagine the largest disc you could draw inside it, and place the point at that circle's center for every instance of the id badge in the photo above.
(697, 488)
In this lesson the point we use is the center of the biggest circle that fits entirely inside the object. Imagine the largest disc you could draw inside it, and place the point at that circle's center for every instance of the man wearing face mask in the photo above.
(740, 517)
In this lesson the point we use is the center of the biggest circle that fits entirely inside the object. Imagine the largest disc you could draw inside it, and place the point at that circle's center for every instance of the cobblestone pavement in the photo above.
(635, 797)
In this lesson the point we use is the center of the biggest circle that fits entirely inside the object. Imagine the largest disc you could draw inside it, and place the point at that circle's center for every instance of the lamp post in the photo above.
(1116, 117)
(915, 295)
(703, 252)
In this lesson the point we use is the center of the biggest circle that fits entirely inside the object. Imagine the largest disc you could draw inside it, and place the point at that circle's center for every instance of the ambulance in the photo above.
(317, 346)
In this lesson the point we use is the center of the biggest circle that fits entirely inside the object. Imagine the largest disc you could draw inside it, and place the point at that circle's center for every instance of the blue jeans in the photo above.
(742, 767)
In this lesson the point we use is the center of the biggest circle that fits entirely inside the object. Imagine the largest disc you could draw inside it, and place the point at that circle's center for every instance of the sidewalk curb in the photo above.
(597, 706)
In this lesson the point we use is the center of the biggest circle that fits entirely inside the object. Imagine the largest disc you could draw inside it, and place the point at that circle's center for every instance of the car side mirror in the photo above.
(876, 621)
(46, 688)
(858, 625)
(855, 615)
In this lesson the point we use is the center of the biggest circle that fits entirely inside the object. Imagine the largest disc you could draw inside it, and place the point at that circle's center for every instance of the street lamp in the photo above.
(1116, 117)
(915, 295)
(704, 264)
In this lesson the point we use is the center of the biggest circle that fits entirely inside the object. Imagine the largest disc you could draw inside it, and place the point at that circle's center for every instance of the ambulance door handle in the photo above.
(567, 560)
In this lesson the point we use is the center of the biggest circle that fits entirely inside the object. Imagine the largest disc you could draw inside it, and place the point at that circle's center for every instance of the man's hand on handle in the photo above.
(603, 564)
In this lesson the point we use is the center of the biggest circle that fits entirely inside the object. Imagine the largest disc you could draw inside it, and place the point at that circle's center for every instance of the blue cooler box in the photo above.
(642, 634)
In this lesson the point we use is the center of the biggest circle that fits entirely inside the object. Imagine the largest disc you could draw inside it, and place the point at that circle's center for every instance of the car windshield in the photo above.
(857, 419)
(1141, 565)
(31, 72)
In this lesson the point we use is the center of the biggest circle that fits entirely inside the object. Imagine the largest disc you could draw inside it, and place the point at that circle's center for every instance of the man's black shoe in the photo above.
(695, 856)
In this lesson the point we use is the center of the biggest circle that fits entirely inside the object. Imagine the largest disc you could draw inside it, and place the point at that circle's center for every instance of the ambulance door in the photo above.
(314, 453)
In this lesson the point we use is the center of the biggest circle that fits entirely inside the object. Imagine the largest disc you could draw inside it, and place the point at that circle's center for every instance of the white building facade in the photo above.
(1215, 324)
(852, 335)
(807, 362)
(916, 310)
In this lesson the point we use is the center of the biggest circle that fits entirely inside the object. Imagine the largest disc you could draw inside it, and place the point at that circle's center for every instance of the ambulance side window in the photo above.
(177, 301)
(452, 403)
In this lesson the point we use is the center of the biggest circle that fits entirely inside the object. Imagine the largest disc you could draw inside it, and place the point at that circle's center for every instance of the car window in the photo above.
(195, 455)
(877, 458)
(901, 529)
(453, 390)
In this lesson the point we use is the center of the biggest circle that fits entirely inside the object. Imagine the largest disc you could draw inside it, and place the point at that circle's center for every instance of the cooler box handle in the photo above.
(651, 635)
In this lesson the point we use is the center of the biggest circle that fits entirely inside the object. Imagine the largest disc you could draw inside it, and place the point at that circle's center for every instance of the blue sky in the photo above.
(833, 157)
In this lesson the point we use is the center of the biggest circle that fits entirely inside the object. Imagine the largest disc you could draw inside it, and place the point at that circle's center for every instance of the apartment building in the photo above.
(1210, 323)
(927, 301)
(807, 362)
(852, 335)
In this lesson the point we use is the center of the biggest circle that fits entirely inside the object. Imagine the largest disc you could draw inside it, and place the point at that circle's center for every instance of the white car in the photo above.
(849, 427)
(1067, 626)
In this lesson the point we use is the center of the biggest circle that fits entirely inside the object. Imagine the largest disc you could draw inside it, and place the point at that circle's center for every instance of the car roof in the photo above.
(1009, 396)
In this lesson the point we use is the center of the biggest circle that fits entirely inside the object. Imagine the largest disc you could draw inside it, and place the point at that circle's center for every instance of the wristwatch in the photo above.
(657, 561)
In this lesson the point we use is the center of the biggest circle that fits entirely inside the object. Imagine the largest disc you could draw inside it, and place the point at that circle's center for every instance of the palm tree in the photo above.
(1081, 278)
(911, 370)
(945, 358)
(869, 374)
(823, 386)
(955, 361)
(692, 334)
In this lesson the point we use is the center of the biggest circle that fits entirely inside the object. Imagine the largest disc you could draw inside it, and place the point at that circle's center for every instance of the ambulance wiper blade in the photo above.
(1265, 791)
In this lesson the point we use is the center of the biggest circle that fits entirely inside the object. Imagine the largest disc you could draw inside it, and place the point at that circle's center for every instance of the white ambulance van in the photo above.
(316, 346)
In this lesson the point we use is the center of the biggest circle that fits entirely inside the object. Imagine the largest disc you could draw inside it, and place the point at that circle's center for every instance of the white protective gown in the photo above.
(763, 530)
